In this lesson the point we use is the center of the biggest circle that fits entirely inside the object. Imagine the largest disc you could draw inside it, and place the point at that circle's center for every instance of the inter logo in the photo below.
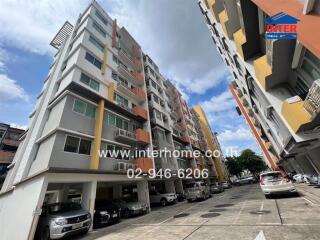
(281, 26)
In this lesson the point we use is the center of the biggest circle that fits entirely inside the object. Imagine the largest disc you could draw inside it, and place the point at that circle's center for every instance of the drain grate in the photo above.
(223, 205)
(181, 215)
(210, 215)
(218, 210)
(260, 212)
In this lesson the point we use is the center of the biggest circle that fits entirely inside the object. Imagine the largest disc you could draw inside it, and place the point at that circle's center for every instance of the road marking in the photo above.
(261, 209)
(221, 196)
(260, 236)
(239, 213)
(310, 202)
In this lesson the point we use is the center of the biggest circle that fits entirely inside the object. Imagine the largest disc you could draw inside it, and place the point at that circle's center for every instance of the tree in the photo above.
(234, 166)
(252, 162)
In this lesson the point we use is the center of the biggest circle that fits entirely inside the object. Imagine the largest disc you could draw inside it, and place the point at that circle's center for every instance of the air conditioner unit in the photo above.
(131, 166)
(121, 166)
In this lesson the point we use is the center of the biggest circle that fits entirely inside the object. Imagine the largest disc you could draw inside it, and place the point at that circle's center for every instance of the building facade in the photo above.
(101, 93)
(276, 82)
(9, 142)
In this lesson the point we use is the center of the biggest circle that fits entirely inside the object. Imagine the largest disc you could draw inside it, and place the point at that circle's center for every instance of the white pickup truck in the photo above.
(162, 198)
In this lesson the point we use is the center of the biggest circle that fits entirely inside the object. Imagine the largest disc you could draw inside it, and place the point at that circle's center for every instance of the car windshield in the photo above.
(63, 207)
(272, 176)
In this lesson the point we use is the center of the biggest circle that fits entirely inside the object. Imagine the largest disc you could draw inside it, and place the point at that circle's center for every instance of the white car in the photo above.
(275, 183)
(299, 178)
(162, 198)
(197, 190)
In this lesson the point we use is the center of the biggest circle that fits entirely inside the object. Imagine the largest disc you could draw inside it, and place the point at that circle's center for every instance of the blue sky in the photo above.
(173, 33)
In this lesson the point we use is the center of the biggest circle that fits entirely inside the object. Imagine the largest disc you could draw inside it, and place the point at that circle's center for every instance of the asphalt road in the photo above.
(238, 213)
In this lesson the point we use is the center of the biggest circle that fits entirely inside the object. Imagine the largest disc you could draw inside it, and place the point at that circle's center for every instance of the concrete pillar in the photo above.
(143, 192)
(169, 185)
(178, 185)
(117, 191)
(89, 191)
(63, 193)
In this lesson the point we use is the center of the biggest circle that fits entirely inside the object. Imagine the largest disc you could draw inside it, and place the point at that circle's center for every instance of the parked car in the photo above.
(58, 220)
(275, 183)
(197, 190)
(244, 180)
(181, 197)
(226, 185)
(162, 198)
(130, 207)
(299, 178)
(311, 179)
(216, 188)
(105, 213)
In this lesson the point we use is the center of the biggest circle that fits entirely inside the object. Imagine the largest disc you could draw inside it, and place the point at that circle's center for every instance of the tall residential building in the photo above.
(102, 93)
(9, 142)
(276, 82)
(212, 144)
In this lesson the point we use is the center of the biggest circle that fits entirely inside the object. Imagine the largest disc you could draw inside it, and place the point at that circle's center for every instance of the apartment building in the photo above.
(209, 139)
(276, 82)
(94, 98)
(101, 93)
(9, 142)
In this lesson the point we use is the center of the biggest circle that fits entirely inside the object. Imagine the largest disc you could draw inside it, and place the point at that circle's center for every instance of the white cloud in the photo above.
(219, 103)
(10, 90)
(239, 134)
(31, 24)
(3, 59)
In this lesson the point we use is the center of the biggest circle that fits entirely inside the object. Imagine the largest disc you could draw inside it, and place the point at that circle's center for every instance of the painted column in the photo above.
(143, 192)
(89, 191)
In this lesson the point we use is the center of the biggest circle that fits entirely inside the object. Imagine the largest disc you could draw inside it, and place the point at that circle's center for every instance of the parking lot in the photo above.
(238, 213)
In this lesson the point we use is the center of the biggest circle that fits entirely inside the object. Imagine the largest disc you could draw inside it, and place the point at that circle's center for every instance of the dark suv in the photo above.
(106, 212)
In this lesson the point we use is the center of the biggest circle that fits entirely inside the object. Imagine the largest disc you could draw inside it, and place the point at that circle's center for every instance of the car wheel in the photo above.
(267, 196)
(189, 200)
(45, 235)
(163, 202)
(250, 182)
(126, 213)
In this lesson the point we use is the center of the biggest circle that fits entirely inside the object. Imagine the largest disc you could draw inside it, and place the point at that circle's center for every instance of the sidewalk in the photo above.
(312, 192)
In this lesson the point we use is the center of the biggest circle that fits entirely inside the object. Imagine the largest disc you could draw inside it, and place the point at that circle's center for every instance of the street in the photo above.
(238, 213)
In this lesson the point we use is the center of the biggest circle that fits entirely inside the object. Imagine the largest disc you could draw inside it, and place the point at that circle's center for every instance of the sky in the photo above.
(172, 32)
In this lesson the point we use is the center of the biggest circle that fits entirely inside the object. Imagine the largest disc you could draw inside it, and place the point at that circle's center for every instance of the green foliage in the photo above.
(248, 160)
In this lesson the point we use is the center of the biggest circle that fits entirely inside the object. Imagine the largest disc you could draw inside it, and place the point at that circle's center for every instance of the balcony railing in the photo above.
(142, 136)
(312, 102)
(145, 164)
(140, 112)
(125, 136)
(131, 75)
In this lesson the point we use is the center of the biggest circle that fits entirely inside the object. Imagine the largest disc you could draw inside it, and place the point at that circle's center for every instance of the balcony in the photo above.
(123, 106)
(135, 93)
(137, 51)
(229, 18)
(216, 6)
(125, 136)
(140, 95)
(185, 138)
(272, 69)
(145, 164)
(247, 37)
(6, 157)
(295, 114)
(135, 77)
(130, 60)
(140, 112)
(142, 137)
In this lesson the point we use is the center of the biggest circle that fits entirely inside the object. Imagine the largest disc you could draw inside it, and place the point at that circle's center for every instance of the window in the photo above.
(114, 76)
(99, 29)
(2, 133)
(117, 121)
(154, 84)
(157, 114)
(96, 43)
(99, 15)
(156, 98)
(89, 81)
(77, 145)
(84, 108)
(121, 100)
(115, 59)
(93, 60)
